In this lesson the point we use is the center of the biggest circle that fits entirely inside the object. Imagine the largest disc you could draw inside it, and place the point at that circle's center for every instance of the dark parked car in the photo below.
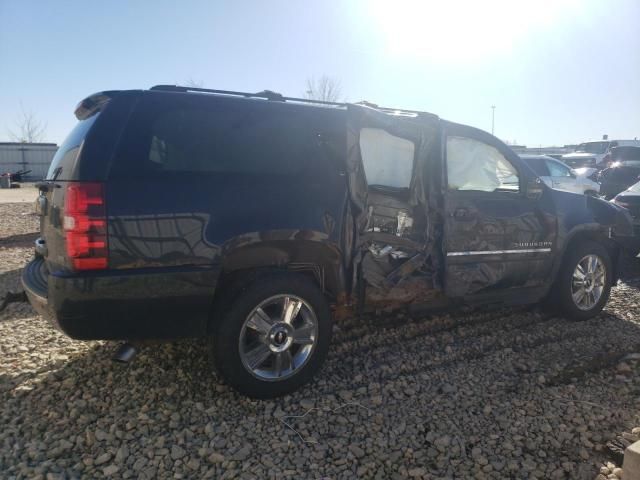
(625, 154)
(623, 172)
(254, 220)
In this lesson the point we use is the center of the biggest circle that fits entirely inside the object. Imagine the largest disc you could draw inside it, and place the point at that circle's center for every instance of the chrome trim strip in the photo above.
(498, 252)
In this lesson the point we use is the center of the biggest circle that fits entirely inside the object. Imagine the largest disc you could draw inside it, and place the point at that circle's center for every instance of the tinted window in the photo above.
(387, 159)
(474, 165)
(538, 166)
(203, 136)
(556, 169)
(65, 158)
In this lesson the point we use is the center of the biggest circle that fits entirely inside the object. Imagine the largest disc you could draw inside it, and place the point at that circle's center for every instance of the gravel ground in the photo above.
(501, 394)
(26, 193)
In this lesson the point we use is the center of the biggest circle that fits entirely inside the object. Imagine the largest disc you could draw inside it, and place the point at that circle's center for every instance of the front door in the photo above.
(496, 238)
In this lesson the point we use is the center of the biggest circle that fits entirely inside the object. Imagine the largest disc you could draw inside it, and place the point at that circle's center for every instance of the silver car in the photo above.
(559, 176)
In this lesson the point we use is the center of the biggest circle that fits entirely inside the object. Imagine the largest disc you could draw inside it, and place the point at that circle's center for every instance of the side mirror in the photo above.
(534, 189)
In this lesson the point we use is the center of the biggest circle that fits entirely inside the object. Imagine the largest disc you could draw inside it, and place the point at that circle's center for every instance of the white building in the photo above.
(36, 157)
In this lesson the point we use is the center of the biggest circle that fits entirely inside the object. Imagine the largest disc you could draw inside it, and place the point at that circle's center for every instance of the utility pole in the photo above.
(493, 118)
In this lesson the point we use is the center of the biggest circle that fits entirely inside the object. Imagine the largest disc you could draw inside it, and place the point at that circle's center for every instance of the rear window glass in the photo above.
(64, 160)
(219, 139)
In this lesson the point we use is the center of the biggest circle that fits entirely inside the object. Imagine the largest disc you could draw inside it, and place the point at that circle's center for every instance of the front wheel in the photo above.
(584, 281)
(274, 337)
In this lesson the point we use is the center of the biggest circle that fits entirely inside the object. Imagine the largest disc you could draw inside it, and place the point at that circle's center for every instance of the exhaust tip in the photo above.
(124, 353)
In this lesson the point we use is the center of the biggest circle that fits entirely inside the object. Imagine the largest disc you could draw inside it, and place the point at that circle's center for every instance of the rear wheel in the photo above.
(584, 281)
(274, 337)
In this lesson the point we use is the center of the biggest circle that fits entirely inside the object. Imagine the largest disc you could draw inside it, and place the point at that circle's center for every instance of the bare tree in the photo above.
(324, 88)
(28, 129)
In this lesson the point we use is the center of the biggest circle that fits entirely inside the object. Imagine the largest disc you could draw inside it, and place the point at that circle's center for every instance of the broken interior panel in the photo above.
(394, 261)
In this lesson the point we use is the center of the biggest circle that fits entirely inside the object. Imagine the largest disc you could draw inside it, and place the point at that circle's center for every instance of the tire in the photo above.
(568, 290)
(249, 346)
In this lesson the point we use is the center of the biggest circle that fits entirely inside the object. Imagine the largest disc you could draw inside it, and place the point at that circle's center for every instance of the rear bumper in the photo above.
(118, 304)
(34, 282)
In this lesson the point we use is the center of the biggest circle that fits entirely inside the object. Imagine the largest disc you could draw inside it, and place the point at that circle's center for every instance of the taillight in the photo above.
(85, 224)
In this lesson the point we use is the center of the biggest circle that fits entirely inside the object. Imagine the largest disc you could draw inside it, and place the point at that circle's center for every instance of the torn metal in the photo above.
(396, 249)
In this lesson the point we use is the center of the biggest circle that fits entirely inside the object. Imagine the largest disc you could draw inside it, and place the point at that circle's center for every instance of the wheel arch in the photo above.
(319, 261)
(596, 234)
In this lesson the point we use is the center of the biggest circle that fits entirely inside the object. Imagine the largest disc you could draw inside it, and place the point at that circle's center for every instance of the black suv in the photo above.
(255, 219)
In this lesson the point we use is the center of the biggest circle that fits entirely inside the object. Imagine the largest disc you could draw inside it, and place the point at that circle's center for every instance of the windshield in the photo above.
(593, 147)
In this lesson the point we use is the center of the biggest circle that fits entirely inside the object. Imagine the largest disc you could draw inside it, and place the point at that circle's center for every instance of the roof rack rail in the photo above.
(266, 94)
(274, 96)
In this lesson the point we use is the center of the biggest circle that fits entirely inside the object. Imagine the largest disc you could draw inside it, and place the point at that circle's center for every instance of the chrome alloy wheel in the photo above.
(587, 283)
(278, 337)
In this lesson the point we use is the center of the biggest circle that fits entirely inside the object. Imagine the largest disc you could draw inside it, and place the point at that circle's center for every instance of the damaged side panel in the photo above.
(396, 250)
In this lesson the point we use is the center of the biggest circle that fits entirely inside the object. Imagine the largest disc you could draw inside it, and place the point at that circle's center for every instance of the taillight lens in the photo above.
(85, 224)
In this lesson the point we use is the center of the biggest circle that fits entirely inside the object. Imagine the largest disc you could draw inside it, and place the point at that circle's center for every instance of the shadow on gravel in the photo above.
(10, 282)
(630, 268)
(24, 240)
(537, 389)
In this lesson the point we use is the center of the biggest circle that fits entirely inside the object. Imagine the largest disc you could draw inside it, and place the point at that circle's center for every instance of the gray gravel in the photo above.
(502, 394)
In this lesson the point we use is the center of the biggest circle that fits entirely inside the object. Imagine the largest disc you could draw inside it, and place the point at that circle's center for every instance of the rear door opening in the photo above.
(395, 259)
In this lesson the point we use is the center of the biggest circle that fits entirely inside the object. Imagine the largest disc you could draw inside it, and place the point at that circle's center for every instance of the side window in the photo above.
(474, 165)
(168, 136)
(387, 159)
(539, 167)
(219, 142)
(558, 170)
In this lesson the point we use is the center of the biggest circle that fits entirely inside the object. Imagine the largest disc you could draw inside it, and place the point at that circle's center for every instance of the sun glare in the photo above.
(462, 30)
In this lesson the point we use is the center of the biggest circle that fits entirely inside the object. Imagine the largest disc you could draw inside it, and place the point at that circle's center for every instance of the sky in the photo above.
(558, 72)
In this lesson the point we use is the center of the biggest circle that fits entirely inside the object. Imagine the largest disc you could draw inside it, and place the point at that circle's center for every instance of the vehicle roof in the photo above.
(265, 95)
